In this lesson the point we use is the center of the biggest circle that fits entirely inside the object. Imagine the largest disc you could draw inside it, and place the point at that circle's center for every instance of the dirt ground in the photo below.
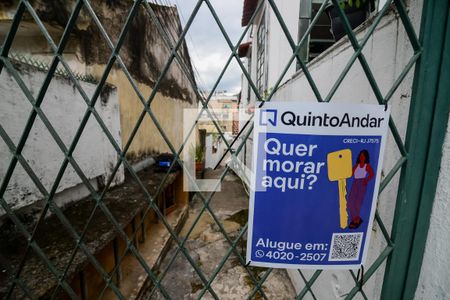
(208, 246)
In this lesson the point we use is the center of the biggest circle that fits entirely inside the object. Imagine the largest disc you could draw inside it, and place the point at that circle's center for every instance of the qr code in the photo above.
(345, 246)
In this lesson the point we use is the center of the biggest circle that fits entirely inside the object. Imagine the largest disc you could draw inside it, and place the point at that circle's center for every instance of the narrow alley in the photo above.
(207, 245)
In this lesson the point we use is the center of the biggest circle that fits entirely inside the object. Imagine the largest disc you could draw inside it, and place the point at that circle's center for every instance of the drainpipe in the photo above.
(303, 24)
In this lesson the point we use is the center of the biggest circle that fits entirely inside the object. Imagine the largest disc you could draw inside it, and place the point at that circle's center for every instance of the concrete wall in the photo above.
(144, 53)
(174, 94)
(167, 110)
(279, 50)
(387, 53)
(434, 281)
(64, 107)
(212, 158)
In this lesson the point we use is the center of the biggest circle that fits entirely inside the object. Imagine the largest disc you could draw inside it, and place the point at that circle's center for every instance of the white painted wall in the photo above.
(279, 50)
(434, 281)
(387, 52)
(212, 158)
(64, 108)
(278, 53)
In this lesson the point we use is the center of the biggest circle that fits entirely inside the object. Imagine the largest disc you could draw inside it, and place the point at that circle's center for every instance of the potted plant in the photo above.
(199, 155)
(357, 11)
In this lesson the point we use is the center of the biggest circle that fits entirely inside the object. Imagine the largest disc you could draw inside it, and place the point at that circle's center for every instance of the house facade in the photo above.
(56, 193)
(268, 55)
(130, 82)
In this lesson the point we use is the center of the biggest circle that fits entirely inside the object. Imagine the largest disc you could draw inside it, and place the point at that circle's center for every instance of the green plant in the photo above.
(198, 153)
(266, 94)
(215, 136)
(351, 3)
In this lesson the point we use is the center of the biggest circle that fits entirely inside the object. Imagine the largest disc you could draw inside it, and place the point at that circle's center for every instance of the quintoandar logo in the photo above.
(267, 116)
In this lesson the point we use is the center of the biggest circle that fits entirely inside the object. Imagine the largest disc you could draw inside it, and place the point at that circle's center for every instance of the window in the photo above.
(321, 38)
(249, 90)
(328, 27)
(260, 56)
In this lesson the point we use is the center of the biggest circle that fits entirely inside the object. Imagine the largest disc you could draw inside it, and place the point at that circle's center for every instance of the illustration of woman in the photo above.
(362, 174)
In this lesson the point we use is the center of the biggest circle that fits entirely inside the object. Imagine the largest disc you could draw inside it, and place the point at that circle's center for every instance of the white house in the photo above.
(268, 55)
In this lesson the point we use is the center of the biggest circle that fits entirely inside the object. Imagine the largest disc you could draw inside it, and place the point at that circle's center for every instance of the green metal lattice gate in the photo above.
(418, 165)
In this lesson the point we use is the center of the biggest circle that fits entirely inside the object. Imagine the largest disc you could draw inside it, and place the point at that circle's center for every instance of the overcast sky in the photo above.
(207, 46)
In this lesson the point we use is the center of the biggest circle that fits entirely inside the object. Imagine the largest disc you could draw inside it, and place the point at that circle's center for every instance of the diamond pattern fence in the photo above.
(58, 64)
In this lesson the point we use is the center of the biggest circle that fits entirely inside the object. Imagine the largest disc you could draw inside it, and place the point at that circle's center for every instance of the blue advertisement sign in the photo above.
(316, 173)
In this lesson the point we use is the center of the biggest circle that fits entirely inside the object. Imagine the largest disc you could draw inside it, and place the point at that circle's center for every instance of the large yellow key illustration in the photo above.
(339, 169)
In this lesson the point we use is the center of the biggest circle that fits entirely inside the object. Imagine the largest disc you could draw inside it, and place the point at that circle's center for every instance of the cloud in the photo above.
(207, 45)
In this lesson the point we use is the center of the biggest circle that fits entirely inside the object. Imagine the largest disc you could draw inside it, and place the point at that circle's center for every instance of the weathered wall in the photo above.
(64, 108)
(434, 281)
(6, 10)
(144, 53)
(387, 52)
(167, 110)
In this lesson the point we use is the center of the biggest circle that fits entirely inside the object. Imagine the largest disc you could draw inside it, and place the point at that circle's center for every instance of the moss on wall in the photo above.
(144, 51)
